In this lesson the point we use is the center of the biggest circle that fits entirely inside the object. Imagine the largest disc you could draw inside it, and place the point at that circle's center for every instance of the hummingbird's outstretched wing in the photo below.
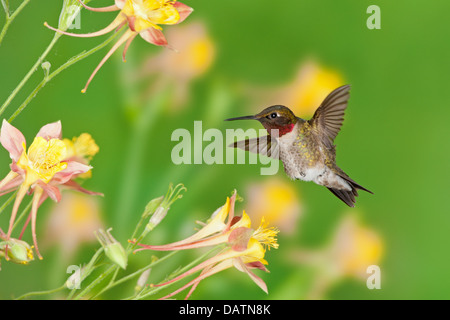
(329, 116)
(263, 145)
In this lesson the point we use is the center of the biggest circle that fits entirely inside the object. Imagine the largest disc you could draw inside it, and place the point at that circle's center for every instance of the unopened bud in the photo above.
(151, 207)
(70, 10)
(157, 217)
(74, 281)
(142, 280)
(160, 211)
(18, 251)
(113, 249)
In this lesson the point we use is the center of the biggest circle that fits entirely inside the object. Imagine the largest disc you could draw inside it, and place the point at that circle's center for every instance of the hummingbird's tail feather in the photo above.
(348, 196)
(355, 186)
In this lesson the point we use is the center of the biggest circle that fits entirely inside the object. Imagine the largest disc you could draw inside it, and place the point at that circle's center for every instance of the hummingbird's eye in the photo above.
(274, 115)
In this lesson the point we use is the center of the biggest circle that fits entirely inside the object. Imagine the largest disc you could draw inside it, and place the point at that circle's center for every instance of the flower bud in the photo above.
(157, 217)
(46, 67)
(142, 280)
(113, 249)
(70, 10)
(161, 206)
(18, 251)
(74, 281)
(151, 207)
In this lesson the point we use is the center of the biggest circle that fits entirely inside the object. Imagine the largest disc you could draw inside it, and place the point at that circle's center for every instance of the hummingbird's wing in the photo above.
(263, 145)
(329, 116)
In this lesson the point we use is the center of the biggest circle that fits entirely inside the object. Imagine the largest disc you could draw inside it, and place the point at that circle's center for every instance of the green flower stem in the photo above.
(40, 293)
(49, 77)
(129, 181)
(30, 73)
(10, 18)
(135, 274)
(94, 283)
(8, 201)
(88, 269)
(131, 246)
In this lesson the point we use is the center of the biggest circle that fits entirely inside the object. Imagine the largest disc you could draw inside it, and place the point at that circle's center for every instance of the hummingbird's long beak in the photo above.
(242, 118)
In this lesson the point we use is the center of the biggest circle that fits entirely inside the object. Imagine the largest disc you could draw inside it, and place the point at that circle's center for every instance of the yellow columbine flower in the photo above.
(150, 13)
(72, 222)
(246, 246)
(143, 17)
(42, 169)
(354, 248)
(277, 201)
(82, 147)
(43, 160)
(242, 257)
(195, 55)
(306, 91)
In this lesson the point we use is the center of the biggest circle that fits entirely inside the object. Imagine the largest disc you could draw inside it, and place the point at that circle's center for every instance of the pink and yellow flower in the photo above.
(304, 93)
(246, 247)
(197, 53)
(72, 222)
(143, 17)
(352, 248)
(41, 170)
(276, 200)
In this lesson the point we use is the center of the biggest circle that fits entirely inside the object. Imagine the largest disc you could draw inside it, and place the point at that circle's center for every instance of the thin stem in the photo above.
(89, 268)
(10, 18)
(40, 293)
(49, 77)
(134, 274)
(30, 73)
(97, 280)
(28, 99)
(8, 201)
(134, 155)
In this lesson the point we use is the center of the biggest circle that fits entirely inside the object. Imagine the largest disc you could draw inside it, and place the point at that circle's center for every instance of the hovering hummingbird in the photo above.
(306, 147)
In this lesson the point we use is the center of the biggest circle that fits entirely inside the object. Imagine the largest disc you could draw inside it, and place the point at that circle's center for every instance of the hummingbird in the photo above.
(306, 147)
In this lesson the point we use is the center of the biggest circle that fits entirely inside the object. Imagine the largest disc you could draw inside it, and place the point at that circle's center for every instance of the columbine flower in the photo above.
(277, 201)
(40, 170)
(81, 149)
(352, 249)
(245, 251)
(306, 91)
(143, 17)
(178, 69)
(215, 226)
(72, 222)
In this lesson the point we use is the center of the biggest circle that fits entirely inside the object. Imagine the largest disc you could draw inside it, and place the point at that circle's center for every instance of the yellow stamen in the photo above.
(43, 160)
(266, 236)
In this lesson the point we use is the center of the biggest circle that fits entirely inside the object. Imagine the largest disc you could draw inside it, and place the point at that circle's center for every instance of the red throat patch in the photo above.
(283, 130)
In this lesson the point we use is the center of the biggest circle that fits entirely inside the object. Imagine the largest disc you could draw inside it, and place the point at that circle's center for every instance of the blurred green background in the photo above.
(393, 141)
